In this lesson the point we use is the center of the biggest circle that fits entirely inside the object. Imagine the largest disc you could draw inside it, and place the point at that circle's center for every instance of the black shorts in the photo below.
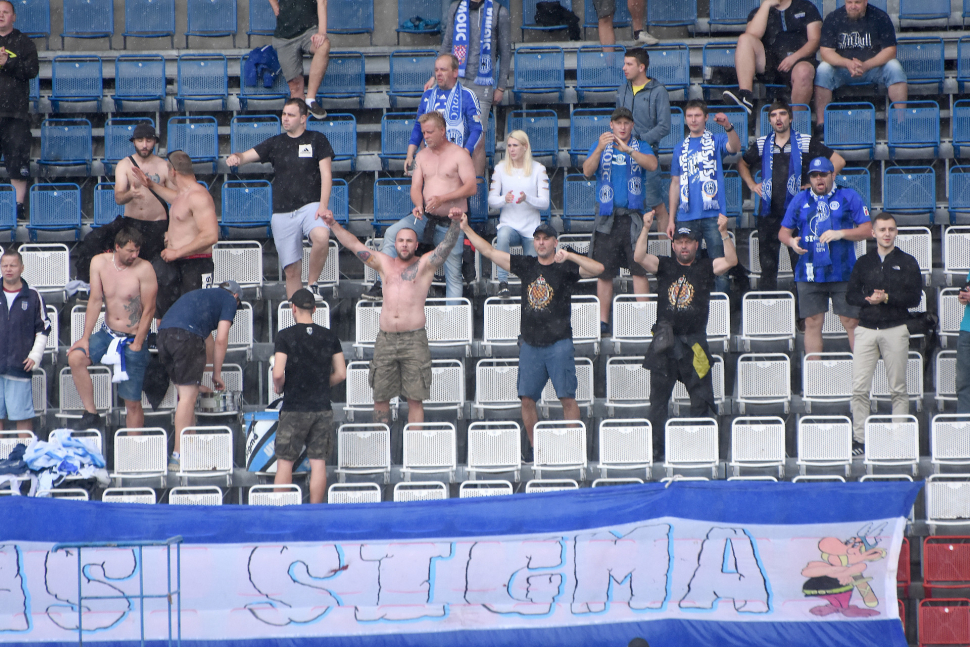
(180, 277)
(615, 249)
(153, 233)
(182, 353)
(15, 147)
(773, 76)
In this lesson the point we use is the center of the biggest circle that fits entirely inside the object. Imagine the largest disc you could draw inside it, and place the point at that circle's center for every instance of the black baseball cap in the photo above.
(144, 131)
(303, 299)
(546, 229)
(688, 231)
(621, 113)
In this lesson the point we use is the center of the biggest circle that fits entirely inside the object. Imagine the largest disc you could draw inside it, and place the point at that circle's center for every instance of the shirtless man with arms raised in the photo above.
(186, 262)
(144, 211)
(402, 358)
(126, 285)
(443, 179)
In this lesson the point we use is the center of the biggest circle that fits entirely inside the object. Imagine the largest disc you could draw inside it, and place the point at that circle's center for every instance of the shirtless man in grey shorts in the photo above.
(402, 359)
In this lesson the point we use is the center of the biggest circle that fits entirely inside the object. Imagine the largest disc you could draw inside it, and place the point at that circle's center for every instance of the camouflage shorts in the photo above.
(314, 429)
(401, 366)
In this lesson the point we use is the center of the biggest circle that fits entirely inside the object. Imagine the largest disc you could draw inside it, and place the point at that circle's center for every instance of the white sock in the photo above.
(310, 101)
(175, 455)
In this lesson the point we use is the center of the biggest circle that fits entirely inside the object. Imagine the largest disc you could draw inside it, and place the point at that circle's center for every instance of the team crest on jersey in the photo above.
(309, 330)
(834, 205)
(540, 294)
(680, 294)
(23, 305)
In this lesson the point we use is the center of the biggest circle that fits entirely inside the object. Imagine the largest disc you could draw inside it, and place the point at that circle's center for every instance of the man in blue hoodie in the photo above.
(23, 337)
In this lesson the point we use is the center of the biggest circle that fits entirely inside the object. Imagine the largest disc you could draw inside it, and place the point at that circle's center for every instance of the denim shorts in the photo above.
(813, 299)
(135, 364)
(831, 77)
(538, 364)
(16, 399)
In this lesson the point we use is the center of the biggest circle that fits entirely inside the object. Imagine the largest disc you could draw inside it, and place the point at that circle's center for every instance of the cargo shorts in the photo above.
(401, 366)
(313, 429)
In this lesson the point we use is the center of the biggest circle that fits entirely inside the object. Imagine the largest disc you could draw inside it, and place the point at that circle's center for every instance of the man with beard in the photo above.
(126, 285)
(679, 349)
(144, 209)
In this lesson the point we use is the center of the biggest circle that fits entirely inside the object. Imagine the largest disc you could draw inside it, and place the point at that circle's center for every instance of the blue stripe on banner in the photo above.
(30, 519)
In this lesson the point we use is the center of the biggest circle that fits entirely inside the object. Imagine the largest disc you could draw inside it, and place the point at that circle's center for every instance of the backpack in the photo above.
(553, 14)
(261, 442)
(262, 64)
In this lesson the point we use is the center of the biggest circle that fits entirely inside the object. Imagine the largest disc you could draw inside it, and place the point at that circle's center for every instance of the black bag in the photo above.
(553, 14)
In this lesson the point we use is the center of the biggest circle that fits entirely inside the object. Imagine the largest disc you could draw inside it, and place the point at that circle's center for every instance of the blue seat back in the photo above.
(197, 136)
(211, 17)
(55, 206)
(732, 193)
(33, 17)
(149, 17)
(921, 58)
(65, 141)
(801, 120)
(8, 207)
(850, 126)
(542, 127)
(960, 188)
(76, 77)
(203, 76)
(355, 17)
(105, 207)
(341, 132)
(490, 135)
(670, 65)
(344, 77)
(578, 197)
(478, 203)
(585, 127)
(731, 12)
(718, 54)
(669, 14)
(676, 134)
(262, 20)
(857, 179)
(247, 203)
(396, 128)
(411, 69)
(909, 189)
(140, 76)
(340, 200)
(117, 137)
(924, 9)
(963, 59)
(913, 124)
(392, 200)
(598, 69)
(88, 18)
(425, 9)
(960, 122)
(279, 90)
(247, 131)
(539, 68)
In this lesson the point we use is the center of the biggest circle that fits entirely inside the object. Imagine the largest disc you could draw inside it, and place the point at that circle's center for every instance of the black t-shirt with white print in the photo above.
(296, 164)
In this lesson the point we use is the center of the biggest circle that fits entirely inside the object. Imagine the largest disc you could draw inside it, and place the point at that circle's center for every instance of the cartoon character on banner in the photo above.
(840, 572)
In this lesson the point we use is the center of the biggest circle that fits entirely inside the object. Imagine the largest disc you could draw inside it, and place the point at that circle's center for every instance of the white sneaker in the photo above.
(646, 38)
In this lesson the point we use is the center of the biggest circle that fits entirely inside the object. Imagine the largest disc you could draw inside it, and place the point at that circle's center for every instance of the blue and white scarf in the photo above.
(794, 170)
(450, 106)
(634, 185)
(819, 222)
(461, 39)
(706, 173)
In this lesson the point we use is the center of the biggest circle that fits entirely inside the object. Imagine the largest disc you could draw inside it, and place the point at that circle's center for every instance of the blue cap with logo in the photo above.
(821, 165)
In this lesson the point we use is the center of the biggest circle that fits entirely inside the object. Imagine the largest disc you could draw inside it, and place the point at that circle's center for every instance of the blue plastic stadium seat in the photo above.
(676, 134)
(33, 93)
(922, 59)
(731, 12)
(909, 189)
(139, 78)
(392, 201)
(959, 201)
(262, 20)
(76, 79)
(851, 126)
(585, 127)
(410, 70)
(202, 77)
(671, 14)
(341, 132)
(34, 19)
(924, 9)
(670, 64)
(211, 19)
(340, 200)
(732, 193)
(8, 209)
(355, 17)
(246, 204)
(149, 19)
(857, 179)
(960, 121)
(542, 127)
(490, 139)
(579, 200)
(529, 16)
(344, 78)
(259, 93)
(736, 115)
(718, 66)
(539, 70)
(424, 12)
(247, 131)
(963, 60)
(801, 120)
(105, 207)
(396, 128)
(55, 207)
(65, 142)
(117, 139)
(599, 69)
(197, 136)
(88, 19)
(913, 124)
(478, 203)
(621, 15)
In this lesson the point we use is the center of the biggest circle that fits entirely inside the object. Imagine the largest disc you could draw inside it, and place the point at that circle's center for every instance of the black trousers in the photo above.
(768, 246)
(677, 364)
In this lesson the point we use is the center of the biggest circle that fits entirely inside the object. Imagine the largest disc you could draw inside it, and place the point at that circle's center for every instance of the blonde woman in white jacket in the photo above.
(520, 188)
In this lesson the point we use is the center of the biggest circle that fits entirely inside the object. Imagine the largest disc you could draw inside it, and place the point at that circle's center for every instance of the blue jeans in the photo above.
(715, 247)
(453, 282)
(831, 77)
(963, 372)
(508, 238)
(538, 364)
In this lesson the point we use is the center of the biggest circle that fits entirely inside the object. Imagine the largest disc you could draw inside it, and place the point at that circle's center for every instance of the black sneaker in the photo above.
(743, 98)
(604, 329)
(317, 110)
(819, 131)
(375, 293)
(503, 290)
(528, 456)
(21, 214)
(89, 421)
(858, 449)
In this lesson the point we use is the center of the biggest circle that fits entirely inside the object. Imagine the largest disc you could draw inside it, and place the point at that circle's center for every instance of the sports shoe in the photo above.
(858, 449)
(21, 213)
(528, 456)
(644, 37)
(743, 98)
(503, 290)
(173, 464)
(604, 329)
(89, 421)
(317, 110)
(375, 293)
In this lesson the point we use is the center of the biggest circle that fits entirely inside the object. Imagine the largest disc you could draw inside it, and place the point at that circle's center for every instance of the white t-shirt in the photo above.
(10, 297)
(522, 216)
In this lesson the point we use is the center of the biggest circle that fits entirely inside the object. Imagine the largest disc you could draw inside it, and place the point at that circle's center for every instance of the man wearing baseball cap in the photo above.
(308, 361)
(620, 163)
(828, 219)
(679, 348)
(546, 351)
(185, 345)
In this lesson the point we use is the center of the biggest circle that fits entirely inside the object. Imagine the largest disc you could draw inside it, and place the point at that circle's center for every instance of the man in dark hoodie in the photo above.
(23, 337)
(649, 102)
(18, 65)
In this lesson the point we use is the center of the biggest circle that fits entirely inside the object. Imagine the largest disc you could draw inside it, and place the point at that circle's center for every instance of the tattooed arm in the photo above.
(440, 254)
(368, 257)
(146, 307)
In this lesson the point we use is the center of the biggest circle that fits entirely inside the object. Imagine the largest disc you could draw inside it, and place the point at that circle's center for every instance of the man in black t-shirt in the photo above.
(308, 361)
(546, 349)
(679, 348)
(779, 43)
(301, 28)
(858, 46)
(301, 159)
(784, 172)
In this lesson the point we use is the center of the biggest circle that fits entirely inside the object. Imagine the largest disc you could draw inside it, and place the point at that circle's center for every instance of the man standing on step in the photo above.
(301, 28)
(18, 65)
(302, 161)
(145, 210)
(126, 285)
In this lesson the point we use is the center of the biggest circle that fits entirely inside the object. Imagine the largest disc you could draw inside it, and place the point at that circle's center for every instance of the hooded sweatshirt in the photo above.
(651, 110)
(16, 74)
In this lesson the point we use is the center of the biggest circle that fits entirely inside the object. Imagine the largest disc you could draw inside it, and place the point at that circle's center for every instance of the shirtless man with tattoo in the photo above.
(443, 179)
(186, 262)
(126, 285)
(144, 211)
(402, 358)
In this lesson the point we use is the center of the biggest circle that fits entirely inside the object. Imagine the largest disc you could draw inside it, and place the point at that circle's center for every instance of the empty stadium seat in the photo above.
(105, 207)
(259, 94)
(956, 254)
(262, 21)
(758, 443)
(8, 209)
(691, 443)
(946, 562)
(76, 79)
(246, 131)
(579, 197)
(599, 69)
(858, 180)
(731, 12)
(476, 489)
(959, 192)
(341, 131)
(767, 317)
(421, 491)
(418, 17)
(54, 207)
(947, 441)
(354, 493)
(824, 441)
(351, 18)
(139, 79)
(238, 260)
(960, 120)
(945, 378)
(892, 441)
(950, 312)
(143, 495)
(363, 449)
(910, 190)
(826, 379)
(198, 137)
(65, 143)
(430, 448)
(274, 495)
(851, 127)
(625, 444)
(947, 502)
(922, 60)
(195, 495)
(34, 19)
(670, 62)
(917, 241)
(560, 446)
(202, 78)
(68, 494)
(149, 19)
(340, 200)
(542, 127)
(396, 128)
(477, 210)
(410, 69)
(586, 125)
(764, 379)
(246, 204)
(670, 14)
(627, 383)
(117, 139)
(539, 486)
(495, 385)
(206, 453)
(140, 453)
(494, 447)
(88, 19)
(211, 19)
(392, 201)
(344, 78)
(913, 125)
(924, 9)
